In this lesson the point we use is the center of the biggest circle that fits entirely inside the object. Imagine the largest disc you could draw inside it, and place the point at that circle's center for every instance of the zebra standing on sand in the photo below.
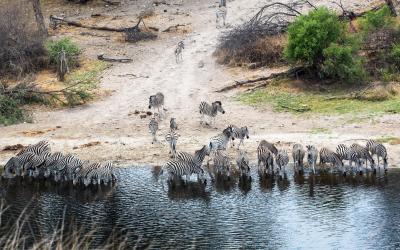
(239, 133)
(178, 51)
(220, 14)
(219, 142)
(210, 111)
(172, 139)
(172, 124)
(153, 128)
(157, 102)
(312, 156)
(298, 157)
(328, 156)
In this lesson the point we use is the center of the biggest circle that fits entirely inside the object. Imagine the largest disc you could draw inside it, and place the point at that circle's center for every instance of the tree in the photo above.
(39, 16)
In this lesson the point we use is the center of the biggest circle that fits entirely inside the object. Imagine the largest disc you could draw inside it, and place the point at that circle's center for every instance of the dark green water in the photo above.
(320, 212)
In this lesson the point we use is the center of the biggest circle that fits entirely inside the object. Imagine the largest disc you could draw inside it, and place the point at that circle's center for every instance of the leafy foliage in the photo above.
(341, 63)
(71, 49)
(377, 19)
(310, 34)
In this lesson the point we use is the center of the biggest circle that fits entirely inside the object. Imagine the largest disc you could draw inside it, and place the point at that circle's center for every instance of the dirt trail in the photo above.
(124, 137)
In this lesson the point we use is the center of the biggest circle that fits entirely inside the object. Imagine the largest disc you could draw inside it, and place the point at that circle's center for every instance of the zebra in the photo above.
(86, 173)
(197, 158)
(178, 51)
(172, 139)
(157, 102)
(177, 168)
(328, 156)
(363, 153)
(220, 13)
(282, 160)
(62, 65)
(153, 127)
(239, 133)
(271, 147)
(378, 149)
(52, 164)
(312, 155)
(38, 148)
(14, 166)
(68, 167)
(172, 124)
(220, 141)
(298, 157)
(221, 162)
(100, 173)
(346, 153)
(36, 162)
(242, 162)
(265, 159)
(210, 110)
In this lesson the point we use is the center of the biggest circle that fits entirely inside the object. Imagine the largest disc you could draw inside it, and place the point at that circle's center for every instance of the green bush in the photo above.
(395, 55)
(377, 19)
(341, 63)
(310, 34)
(71, 49)
(10, 111)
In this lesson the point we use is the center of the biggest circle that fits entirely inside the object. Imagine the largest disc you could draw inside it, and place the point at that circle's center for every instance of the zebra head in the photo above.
(181, 44)
(218, 106)
(151, 100)
(385, 163)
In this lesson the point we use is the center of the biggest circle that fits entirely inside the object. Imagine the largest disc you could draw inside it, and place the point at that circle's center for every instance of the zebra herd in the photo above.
(271, 160)
(37, 162)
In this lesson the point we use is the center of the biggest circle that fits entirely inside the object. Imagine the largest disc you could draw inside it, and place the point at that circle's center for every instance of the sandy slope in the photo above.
(124, 137)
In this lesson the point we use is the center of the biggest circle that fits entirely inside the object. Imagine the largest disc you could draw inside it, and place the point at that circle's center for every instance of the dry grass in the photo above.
(267, 51)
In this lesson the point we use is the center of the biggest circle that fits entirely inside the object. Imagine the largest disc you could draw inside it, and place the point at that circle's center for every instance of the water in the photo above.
(321, 212)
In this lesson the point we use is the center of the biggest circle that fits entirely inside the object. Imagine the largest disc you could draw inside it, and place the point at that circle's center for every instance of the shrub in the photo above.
(341, 63)
(395, 55)
(21, 44)
(310, 34)
(71, 49)
(10, 111)
(377, 19)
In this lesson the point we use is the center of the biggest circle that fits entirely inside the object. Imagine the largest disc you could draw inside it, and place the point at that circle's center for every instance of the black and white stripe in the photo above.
(243, 163)
(178, 51)
(14, 166)
(265, 158)
(312, 156)
(298, 154)
(67, 168)
(172, 124)
(378, 149)
(157, 102)
(222, 165)
(172, 138)
(349, 154)
(210, 111)
(270, 146)
(153, 128)
(363, 153)
(38, 148)
(328, 156)
(219, 142)
(239, 133)
(282, 160)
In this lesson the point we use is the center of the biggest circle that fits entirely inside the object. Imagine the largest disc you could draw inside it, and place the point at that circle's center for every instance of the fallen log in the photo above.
(110, 59)
(61, 20)
(175, 27)
(289, 73)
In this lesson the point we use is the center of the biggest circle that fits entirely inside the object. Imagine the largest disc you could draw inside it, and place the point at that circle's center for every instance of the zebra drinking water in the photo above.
(210, 111)
(178, 51)
(363, 153)
(282, 160)
(298, 157)
(265, 158)
(349, 154)
(328, 156)
(222, 165)
(239, 133)
(312, 156)
(14, 166)
(157, 102)
(242, 162)
(376, 148)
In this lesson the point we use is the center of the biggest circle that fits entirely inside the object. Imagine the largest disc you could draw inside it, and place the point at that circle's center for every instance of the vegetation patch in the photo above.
(392, 140)
(320, 131)
(288, 98)
(72, 51)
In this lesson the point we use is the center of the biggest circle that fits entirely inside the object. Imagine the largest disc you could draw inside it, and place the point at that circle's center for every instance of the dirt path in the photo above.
(123, 137)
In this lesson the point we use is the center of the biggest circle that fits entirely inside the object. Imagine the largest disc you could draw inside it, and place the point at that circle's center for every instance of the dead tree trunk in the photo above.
(391, 7)
(39, 17)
